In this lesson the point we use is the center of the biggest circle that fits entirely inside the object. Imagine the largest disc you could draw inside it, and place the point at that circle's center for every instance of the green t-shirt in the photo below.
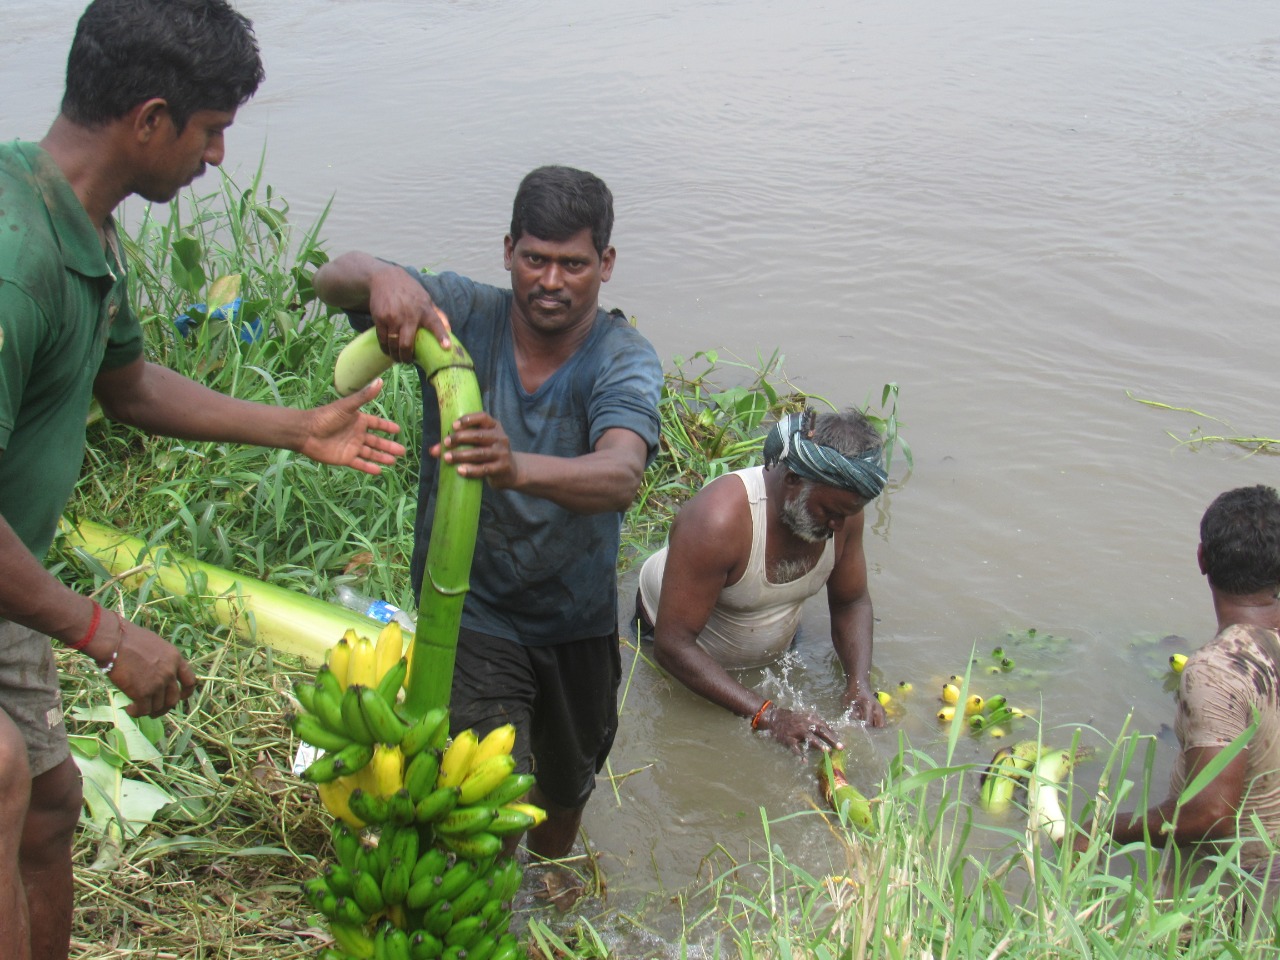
(64, 315)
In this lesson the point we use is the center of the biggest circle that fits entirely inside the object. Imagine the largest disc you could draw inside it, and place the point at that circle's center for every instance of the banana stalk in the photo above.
(840, 793)
(453, 533)
(290, 622)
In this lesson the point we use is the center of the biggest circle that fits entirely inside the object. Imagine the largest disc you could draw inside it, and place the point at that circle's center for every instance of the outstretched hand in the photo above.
(343, 435)
(799, 731)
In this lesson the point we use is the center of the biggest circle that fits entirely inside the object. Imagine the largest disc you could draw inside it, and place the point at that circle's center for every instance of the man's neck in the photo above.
(84, 155)
(1257, 609)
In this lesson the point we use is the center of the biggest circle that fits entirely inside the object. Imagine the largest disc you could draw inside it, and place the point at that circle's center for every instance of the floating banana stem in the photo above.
(453, 532)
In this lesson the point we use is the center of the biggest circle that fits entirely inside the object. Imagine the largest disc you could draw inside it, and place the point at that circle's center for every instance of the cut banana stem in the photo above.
(1044, 806)
(453, 532)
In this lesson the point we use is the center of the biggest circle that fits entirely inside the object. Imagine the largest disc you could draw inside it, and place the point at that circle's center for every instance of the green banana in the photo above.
(309, 728)
(424, 945)
(352, 939)
(1007, 767)
(339, 878)
(436, 804)
(462, 821)
(485, 777)
(379, 718)
(420, 772)
(396, 945)
(431, 863)
(405, 844)
(346, 843)
(438, 918)
(483, 948)
(840, 794)
(472, 898)
(464, 932)
(456, 879)
(424, 731)
(314, 892)
(508, 821)
(350, 911)
(367, 892)
(388, 687)
(366, 806)
(395, 882)
(512, 788)
(506, 879)
(400, 809)
(327, 702)
(476, 846)
(330, 766)
(305, 694)
(508, 948)
(353, 717)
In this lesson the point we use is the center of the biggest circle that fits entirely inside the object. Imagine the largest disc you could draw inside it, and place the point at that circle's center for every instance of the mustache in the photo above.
(539, 293)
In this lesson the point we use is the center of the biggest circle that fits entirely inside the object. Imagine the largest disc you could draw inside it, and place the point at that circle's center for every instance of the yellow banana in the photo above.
(947, 714)
(389, 649)
(363, 663)
(884, 697)
(950, 693)
(972, 705)
(340, 659)
(335, 795)
(497, 741)
(456, 761)
(533, 810)
(1177, 661)
(388, 770)
(485, 777)
(905, 686)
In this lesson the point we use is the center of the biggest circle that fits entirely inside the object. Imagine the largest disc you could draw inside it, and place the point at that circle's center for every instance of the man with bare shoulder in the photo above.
(743, 555)
(1228, 685)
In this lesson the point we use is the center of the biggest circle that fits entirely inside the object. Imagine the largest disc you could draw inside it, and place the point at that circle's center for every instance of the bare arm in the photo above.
(852, 622)
(398, 304)
(606, 479)
(160, 401)
(1209, 815)
(150, 671)
(709, 542)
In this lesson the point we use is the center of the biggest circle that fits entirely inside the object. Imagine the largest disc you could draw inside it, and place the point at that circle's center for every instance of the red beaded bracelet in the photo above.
(93, 628)
(755, 721)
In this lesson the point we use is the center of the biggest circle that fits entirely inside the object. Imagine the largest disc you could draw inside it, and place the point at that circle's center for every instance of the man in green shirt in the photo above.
(152, 85)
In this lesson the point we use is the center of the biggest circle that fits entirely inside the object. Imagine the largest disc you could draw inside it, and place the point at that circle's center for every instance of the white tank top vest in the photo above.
(753, 621)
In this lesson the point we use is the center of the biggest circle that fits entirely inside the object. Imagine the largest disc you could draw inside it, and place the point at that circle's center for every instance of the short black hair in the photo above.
(195, 54)
(1240, 533)
(554, 203)
(850, 433)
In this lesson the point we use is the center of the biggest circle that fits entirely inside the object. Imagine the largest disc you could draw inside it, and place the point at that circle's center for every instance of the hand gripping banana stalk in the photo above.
(420, 820)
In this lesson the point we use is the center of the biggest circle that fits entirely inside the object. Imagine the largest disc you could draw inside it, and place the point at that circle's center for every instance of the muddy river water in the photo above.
(1025, 214)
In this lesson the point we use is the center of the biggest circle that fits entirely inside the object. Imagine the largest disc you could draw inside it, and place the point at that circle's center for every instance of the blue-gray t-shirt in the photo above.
(542, 574)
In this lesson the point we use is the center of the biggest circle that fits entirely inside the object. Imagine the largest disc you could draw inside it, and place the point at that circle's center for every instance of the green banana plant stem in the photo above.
(446, 579)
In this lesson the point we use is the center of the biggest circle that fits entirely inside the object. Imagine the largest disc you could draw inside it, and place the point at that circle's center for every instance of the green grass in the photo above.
(215, 875)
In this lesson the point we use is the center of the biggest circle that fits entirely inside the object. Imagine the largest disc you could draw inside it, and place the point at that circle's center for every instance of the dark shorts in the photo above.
(29, 694)
(563, 700)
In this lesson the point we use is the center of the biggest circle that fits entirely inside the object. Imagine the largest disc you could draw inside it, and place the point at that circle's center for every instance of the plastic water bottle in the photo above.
(379, 610)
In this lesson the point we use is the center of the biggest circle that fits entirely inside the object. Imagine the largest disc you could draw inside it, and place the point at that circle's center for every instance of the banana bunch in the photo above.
(842, 796)
(984, 715)
(390, 900)
(1007, 769)
(1042, 769)
(420, 820)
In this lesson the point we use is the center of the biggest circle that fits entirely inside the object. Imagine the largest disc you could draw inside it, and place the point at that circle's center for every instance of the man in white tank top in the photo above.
(746, 552)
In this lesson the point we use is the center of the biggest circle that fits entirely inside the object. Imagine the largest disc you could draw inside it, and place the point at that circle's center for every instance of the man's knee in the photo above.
(54, 811)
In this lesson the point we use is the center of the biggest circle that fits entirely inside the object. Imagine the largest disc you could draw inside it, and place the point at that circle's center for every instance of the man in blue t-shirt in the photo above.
(570, 421)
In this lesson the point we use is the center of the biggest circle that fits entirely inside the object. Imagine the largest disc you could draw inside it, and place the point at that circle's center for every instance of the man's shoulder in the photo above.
(1237, 654)
(719, 506)
(25, 231)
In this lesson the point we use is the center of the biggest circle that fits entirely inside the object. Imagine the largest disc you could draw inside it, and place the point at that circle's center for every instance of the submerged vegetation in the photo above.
(197, 832)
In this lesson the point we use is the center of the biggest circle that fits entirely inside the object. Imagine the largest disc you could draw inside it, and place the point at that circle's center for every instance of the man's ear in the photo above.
(1200, 558)
(149, 118)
